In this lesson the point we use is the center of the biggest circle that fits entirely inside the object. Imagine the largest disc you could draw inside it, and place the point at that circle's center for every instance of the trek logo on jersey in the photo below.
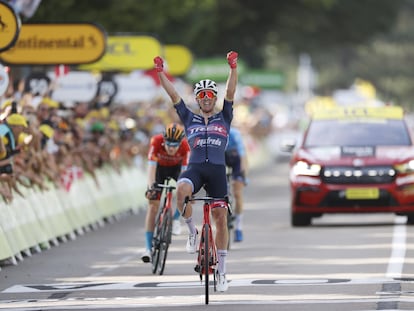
(201, 142)
(212, 129)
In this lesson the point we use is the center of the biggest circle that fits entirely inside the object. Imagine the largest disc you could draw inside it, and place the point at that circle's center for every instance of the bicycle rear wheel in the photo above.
(206, 261)
(230, 227)
(165, 240)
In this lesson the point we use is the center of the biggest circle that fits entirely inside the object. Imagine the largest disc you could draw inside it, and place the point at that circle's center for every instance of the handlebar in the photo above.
(206, 199)
(165, 186)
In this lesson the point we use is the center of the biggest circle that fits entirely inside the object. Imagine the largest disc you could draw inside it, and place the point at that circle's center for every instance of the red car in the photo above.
(353, 160)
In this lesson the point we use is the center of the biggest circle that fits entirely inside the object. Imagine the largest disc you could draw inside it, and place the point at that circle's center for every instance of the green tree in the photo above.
(346, 39)
(386, 60)
(212, 27)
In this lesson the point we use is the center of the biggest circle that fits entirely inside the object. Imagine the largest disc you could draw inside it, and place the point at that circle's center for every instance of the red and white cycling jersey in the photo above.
(157, 152)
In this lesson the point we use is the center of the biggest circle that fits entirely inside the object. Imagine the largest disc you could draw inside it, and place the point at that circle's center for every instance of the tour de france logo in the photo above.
(9, 26)
(3, 25)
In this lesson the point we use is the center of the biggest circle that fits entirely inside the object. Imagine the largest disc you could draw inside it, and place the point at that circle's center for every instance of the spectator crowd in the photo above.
(46, 144)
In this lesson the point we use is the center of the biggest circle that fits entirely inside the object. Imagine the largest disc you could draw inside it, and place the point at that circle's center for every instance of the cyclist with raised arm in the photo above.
(168, 156)
(207, 133)
(236, 159)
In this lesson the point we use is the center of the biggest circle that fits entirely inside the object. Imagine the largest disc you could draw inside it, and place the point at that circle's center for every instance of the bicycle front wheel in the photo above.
(155, 253)
(165, 240)
(206, 260)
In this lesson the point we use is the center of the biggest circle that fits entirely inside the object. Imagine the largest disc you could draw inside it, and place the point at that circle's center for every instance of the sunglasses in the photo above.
(172, 143)
(204, 94)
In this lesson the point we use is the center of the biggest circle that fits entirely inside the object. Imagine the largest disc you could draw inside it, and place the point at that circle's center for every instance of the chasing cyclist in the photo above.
(236, 159)
(168, 156)
(207, 134)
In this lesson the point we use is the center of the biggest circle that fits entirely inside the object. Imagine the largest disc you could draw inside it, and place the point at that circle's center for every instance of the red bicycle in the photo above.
(230, 217)
(207, 251)
(163, 230)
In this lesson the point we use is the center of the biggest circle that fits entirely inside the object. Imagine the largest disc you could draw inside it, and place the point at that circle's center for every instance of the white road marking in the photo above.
(397, 258)
(189, 300)
(137, 302)
(101, 286)
(114, 267)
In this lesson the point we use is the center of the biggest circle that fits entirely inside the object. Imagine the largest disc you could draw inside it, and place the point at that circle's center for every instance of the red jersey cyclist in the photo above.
(207, 132)
(168, 156)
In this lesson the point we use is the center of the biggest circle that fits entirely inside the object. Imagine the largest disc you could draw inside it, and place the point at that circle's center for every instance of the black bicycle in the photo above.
(162, 230)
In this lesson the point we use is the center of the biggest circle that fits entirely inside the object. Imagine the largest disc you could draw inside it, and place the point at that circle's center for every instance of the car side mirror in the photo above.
(288, 144)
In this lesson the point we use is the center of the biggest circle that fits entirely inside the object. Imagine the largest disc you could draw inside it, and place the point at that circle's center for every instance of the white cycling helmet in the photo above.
(205, 85)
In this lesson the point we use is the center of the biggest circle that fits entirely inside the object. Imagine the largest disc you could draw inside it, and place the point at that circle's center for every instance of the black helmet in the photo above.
(174, 133)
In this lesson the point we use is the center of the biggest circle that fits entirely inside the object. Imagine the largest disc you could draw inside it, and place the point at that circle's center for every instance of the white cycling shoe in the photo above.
(221, 284)
(176, 227)
(146, 256)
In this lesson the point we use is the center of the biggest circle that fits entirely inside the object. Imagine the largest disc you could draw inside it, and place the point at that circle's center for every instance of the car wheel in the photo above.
(300, 220)
(410, 219)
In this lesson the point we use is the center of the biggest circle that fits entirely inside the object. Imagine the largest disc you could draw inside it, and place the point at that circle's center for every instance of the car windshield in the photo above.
(357, 133)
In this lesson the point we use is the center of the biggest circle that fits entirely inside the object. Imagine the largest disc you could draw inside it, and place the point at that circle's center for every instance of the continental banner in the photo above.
(54, 44)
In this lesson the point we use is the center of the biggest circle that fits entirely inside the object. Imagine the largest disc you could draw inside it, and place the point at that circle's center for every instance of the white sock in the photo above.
(221, 258)
(190, 224)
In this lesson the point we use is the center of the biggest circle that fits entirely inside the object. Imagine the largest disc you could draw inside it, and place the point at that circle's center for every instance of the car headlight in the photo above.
(306, 169)
(407, 167)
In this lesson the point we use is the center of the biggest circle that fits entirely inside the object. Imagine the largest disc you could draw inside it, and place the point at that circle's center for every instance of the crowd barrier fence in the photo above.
(42, 219)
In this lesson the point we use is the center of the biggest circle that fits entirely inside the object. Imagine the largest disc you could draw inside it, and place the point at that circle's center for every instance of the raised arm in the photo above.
(165, 82)
(232, 78)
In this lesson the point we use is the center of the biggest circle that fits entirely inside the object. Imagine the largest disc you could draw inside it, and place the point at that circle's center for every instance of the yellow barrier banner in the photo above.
(179, 59)
(54, 44)
(127, 53)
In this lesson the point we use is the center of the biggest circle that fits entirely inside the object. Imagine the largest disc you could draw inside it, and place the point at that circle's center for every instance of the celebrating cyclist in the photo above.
(168, 156)
(207, 134)
(236, 159)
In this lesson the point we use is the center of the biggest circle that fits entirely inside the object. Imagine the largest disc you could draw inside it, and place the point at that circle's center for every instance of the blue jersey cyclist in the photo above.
(236, 159)
(207, 133)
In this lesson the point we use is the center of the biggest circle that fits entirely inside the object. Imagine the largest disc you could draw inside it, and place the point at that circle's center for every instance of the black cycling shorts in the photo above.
(211, 176)
(161, 174)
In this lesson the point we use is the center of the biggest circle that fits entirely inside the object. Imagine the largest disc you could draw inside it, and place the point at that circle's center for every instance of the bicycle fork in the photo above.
(202, 252)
